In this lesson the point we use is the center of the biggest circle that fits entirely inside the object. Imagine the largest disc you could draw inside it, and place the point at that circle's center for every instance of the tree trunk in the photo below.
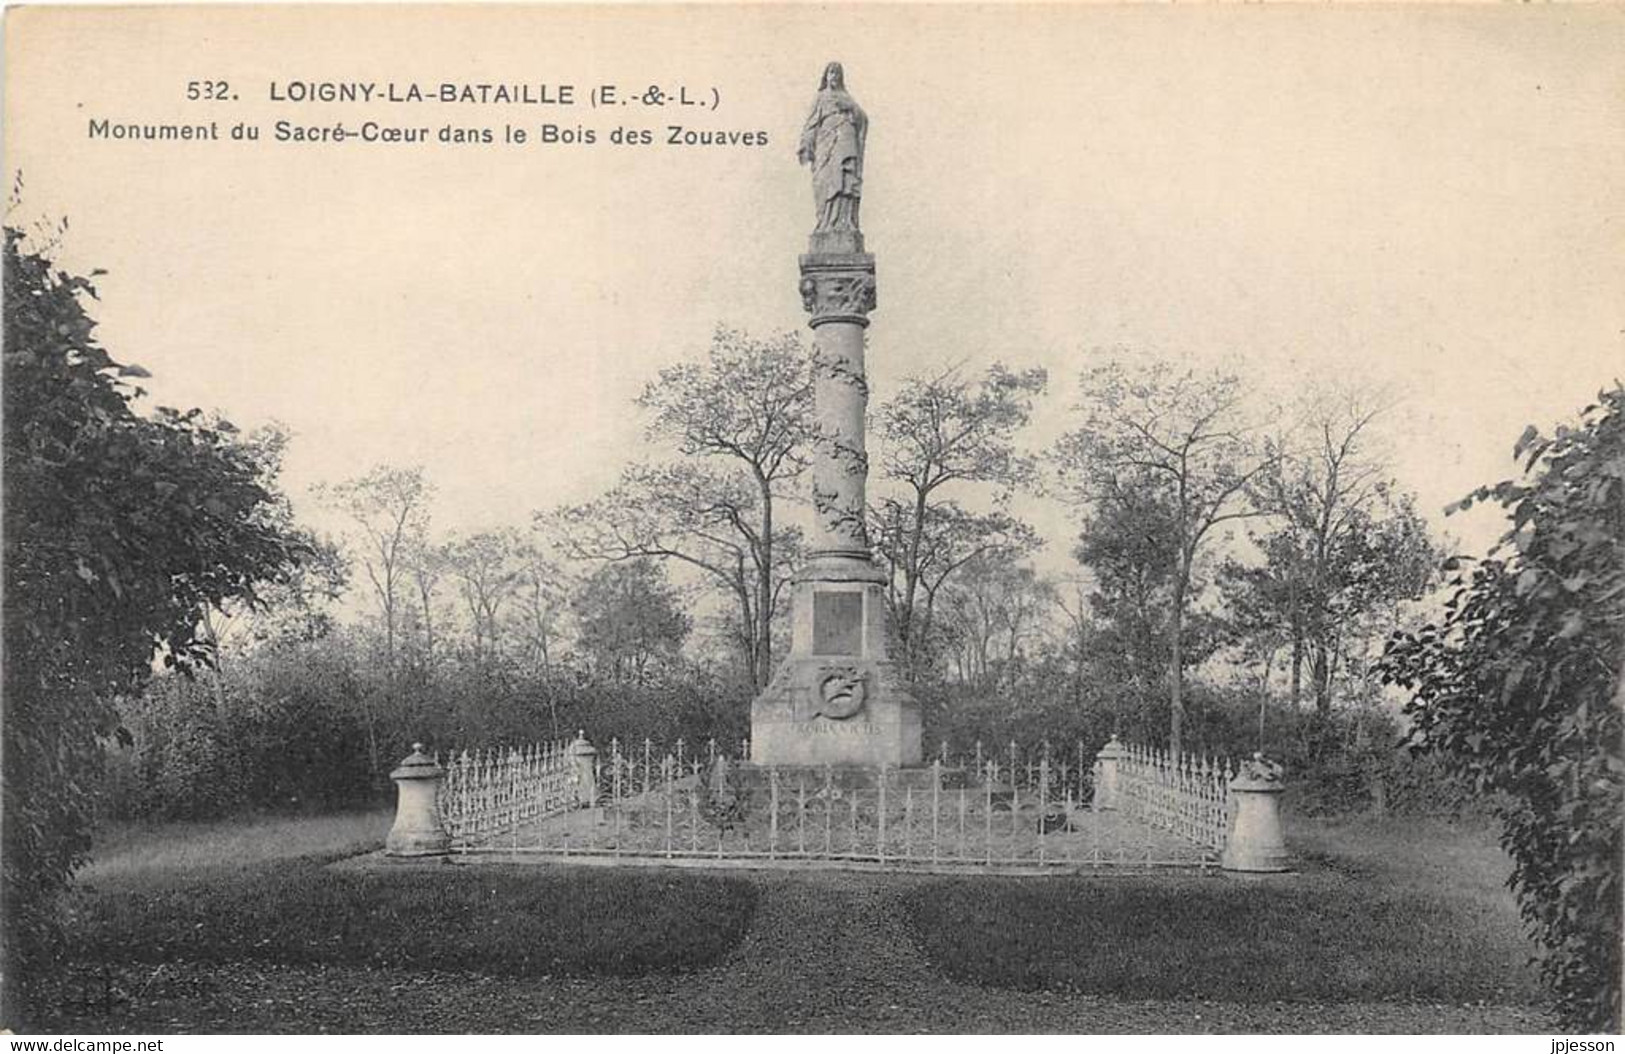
(389, 676)
(428, 629)
(1077, 668)
(1009, 651)
(921, 627)
(1075, 645)
(1176, 664)
(764, 591)
(906, 635)
(1297, 666)
(1322, 677)
(1264, 693)
(747, 627)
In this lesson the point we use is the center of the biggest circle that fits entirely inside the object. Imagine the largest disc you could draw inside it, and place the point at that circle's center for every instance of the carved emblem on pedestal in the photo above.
(841, 692)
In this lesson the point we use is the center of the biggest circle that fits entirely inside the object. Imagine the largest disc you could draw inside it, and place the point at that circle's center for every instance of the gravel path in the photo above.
(827, 952)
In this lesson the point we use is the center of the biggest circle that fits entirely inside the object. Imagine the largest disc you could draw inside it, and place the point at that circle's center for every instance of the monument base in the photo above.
(837, 699)
(793, 721)
(797, 720)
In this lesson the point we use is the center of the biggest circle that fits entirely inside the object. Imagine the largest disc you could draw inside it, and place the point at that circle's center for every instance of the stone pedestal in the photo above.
(417, 830)
(1106, 785)
(789, 725)
(838, 699)
(1255, 842)
(584, 770)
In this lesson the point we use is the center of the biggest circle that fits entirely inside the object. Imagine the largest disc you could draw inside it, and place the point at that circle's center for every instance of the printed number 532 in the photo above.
(208, 90)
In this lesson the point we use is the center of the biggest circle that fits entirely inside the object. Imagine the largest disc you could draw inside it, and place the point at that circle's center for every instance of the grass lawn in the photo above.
(241, 927)
(144, 855)
(1396, 910)
(260, 891)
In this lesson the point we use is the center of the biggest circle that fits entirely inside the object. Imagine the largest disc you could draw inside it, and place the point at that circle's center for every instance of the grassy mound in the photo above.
(189, 895)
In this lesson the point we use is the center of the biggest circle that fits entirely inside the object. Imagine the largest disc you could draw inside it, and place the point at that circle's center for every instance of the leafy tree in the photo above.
(940, 548)
(1519, 689)
(1126, 546)
(541, 598)
(707, 519)
(998, 607)
(488, 566)
(269, 736)
(748, 405)
(1072, 598)
(630, 619)
(1349, 546)
(1122, 625)
(427, 562)
(389, 508)
(938, 432)
(121, 530)
(1174, 441)
(291, 747)
(302, 608)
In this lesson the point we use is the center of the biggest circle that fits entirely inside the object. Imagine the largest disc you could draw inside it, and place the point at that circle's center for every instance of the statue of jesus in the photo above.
(832, 143)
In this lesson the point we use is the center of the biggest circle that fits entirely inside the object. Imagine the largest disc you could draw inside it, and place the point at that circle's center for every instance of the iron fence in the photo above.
(1186, 795)
(488, 792)
(977, 808)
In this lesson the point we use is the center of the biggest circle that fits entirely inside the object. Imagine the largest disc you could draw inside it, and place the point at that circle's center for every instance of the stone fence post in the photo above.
(1106, 775)
(584, 759)
(417, 830)
(1254, 842)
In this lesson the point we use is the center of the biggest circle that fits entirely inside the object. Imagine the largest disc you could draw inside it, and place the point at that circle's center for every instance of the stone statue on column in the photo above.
(832, 143)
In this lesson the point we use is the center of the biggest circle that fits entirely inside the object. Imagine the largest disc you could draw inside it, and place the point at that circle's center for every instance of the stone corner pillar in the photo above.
(1106, 776)
(584, 763)
(417, 830)
(1254, 843)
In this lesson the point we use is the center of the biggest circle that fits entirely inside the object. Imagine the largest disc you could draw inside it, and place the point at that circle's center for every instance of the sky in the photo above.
(1426, 200)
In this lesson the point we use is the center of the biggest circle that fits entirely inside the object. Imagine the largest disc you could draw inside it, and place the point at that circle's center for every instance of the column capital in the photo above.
(838, 287)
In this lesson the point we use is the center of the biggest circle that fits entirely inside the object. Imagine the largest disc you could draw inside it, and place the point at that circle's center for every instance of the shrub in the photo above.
(121, 530)
(1518, 690)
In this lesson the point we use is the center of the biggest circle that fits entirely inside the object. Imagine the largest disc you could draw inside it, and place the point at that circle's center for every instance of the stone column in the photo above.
(417, 830)
(838, 290)
(1254, 842)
